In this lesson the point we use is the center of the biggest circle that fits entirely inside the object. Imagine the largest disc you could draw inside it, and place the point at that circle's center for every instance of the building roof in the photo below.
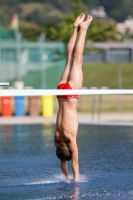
(111, 45)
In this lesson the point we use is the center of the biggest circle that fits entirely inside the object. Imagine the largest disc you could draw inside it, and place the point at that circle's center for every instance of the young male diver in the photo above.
(72, 78)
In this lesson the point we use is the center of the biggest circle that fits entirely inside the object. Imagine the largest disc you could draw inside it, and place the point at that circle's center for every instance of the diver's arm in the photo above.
(74, 151)
(64, 167)
(75, 165)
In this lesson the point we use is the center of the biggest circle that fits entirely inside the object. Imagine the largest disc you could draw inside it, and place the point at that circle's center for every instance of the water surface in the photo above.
(29, 168)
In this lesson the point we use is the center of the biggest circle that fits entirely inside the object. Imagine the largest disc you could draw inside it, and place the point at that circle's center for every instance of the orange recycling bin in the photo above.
(6, 106)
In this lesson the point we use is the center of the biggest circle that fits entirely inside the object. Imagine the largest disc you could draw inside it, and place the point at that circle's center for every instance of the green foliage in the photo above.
(52, 31)
(41, 14)
(98, 31)
(63, 31)
(77, 7)
(102, 31)
(31, 33)
(56, 20)
(118, 10)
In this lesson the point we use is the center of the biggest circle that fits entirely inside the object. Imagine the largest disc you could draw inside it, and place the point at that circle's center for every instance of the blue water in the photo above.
(29, 168)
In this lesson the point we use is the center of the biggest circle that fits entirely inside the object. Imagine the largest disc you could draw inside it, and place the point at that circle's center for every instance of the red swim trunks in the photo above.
(68, 87)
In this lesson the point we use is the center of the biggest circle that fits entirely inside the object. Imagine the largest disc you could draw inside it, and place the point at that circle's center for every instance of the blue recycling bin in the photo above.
(19, 106)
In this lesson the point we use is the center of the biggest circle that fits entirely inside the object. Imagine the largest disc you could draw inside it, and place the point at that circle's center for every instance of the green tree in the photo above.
(66, 26)
(102, 31)
(31, 33)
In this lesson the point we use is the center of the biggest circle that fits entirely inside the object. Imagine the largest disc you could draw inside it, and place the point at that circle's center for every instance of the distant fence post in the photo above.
(18, 67)
(43, 57)
(120, 87)
(100, 103)
(42, 79)
(0, 51)
(131, 55)
(107, 55)
(100, 107)
(93, 104)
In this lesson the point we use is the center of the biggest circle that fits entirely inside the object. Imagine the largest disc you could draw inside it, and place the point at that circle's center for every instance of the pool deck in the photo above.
(83, 118)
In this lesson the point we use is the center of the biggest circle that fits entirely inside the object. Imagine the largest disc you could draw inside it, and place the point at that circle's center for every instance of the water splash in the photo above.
(57, 178)
(50, 180)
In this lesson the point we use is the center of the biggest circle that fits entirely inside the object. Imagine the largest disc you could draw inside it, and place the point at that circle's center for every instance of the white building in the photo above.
(98, 12)
(126, 26)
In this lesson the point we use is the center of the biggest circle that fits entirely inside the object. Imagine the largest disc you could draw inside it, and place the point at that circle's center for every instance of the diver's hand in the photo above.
(69, 180)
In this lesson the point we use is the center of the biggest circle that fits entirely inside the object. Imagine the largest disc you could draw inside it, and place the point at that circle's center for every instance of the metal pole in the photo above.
(100, 107)
(18, 67)
(20, 70)
(119, 79)
(0, 49)
(93, 107)
(131, 54)
(18, 36)
(93, 104)
(42, 67)
(101, 102)
(120, 87)
(107, 55)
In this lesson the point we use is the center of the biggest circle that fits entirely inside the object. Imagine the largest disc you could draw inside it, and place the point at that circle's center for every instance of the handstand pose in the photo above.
(72, 77)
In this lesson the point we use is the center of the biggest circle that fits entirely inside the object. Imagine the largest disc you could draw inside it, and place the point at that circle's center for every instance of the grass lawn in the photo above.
(106, 74)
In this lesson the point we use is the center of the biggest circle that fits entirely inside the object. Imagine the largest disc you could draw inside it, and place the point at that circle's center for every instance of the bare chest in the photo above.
(67, 120)
(67, 123)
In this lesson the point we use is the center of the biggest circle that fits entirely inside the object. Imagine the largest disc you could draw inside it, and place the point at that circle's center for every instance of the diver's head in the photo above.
(63, 153)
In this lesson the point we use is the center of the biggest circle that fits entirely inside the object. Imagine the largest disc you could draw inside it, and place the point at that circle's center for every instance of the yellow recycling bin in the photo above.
(47, 106)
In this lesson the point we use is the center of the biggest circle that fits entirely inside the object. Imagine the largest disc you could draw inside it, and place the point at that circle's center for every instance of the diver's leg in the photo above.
(75, 77)
(70, 47)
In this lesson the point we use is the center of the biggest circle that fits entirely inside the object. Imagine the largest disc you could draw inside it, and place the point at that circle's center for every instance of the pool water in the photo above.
(29, 168)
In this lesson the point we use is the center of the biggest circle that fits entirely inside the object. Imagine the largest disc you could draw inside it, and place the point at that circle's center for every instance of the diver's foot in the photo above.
(78, 20)
(84, 25)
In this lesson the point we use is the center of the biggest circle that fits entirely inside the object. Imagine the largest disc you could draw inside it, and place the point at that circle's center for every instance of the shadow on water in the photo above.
(29, 168)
